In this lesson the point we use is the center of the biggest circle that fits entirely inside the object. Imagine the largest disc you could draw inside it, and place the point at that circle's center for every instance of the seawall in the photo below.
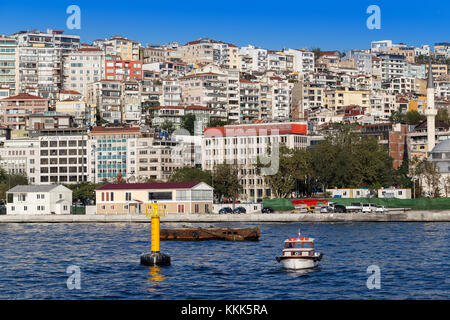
(406, 216)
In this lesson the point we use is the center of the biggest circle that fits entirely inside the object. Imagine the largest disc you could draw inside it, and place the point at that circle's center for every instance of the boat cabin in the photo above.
(299, 247)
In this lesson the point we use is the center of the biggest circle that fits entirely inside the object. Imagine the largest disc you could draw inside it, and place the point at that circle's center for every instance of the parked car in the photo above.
(267, 210)
(327, 209)
(239, 210)
(339, 208)
(354, 207)
(368, 207)
(225, 210)
(381, 209)
(333, 207)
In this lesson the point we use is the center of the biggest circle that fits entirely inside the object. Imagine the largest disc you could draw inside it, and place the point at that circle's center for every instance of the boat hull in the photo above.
(297, 263)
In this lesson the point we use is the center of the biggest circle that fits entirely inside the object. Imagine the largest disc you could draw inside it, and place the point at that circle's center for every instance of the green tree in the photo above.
(167, 126)
(442, 115)
(217, 123)
(293, 165)
(347, 159)
(188, 174)
(414, 117)
(84, 192)
(188, 122)
(8, 181)
(397, 117)
(226, 182)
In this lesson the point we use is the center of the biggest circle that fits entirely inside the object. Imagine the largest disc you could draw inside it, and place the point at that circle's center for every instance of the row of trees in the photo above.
(343, 159)
(414, 117)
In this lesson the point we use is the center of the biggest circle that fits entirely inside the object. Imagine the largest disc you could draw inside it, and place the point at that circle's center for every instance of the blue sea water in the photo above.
(414, 260)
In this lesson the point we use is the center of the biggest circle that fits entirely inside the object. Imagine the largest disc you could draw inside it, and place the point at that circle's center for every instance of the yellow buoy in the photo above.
(155, 211)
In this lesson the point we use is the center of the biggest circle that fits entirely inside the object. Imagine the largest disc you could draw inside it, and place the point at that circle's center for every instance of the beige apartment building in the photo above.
(82, 67)
(176, 197)
(205, 89)
(128, 50)
(208, 51)
(339, 99)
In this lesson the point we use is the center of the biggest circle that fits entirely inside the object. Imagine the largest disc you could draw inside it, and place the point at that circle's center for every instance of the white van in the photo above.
(368, 207)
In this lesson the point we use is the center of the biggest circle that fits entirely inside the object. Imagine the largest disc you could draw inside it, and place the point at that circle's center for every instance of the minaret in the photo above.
(430, 112)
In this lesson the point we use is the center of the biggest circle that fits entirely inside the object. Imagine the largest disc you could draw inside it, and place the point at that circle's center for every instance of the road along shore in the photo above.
(400, 216)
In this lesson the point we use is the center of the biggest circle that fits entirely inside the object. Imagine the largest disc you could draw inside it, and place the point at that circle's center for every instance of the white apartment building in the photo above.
(39, 71)
(424, 50)
(392, 66)
(82, 67)
(171, 93)
(240, 145)
(48, 159)
(249, 96)
(280, 61)
(380, 46)
(106, 96)
(131, 97)
(257, 58)
(8, 79)
(55, 38)
(401, 85)
(303, 60)
(233, 95)
(281, 98)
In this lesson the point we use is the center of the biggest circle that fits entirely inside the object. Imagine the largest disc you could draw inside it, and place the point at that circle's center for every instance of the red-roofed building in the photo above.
(240, 145)
(16, 108)
(176, 197)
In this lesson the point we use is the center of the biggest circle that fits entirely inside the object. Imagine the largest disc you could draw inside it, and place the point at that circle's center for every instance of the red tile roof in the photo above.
(69, 92)
(24, 96)
(153, 185)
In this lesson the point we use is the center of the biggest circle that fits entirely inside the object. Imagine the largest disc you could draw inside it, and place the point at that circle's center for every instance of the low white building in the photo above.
(39, 199)
(349, 193)
(394, 193)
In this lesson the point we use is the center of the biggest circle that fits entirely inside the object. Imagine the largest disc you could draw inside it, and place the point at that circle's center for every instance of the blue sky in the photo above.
(330, 25)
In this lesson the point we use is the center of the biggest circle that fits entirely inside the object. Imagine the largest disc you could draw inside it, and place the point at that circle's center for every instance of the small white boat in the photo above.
(299, 253)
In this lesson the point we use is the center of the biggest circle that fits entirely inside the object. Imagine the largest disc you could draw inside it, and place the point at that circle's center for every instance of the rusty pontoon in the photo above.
(210, 233)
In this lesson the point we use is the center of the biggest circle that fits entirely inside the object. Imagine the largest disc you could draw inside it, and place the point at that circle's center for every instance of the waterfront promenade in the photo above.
(394, 216)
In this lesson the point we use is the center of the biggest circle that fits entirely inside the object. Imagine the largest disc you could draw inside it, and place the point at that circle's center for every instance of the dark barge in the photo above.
(210, 233)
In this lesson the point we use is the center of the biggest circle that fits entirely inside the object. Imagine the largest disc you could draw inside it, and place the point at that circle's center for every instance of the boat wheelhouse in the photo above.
(299, 253)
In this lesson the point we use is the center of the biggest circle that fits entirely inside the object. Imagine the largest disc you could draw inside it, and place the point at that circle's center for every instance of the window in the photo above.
(182, 195)
(128, 196)
(65, 208)
(112, 196)
(25, 208)
(161, 195)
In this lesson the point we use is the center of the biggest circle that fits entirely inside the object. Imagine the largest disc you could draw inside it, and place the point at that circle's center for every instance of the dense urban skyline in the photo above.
(327, 26)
